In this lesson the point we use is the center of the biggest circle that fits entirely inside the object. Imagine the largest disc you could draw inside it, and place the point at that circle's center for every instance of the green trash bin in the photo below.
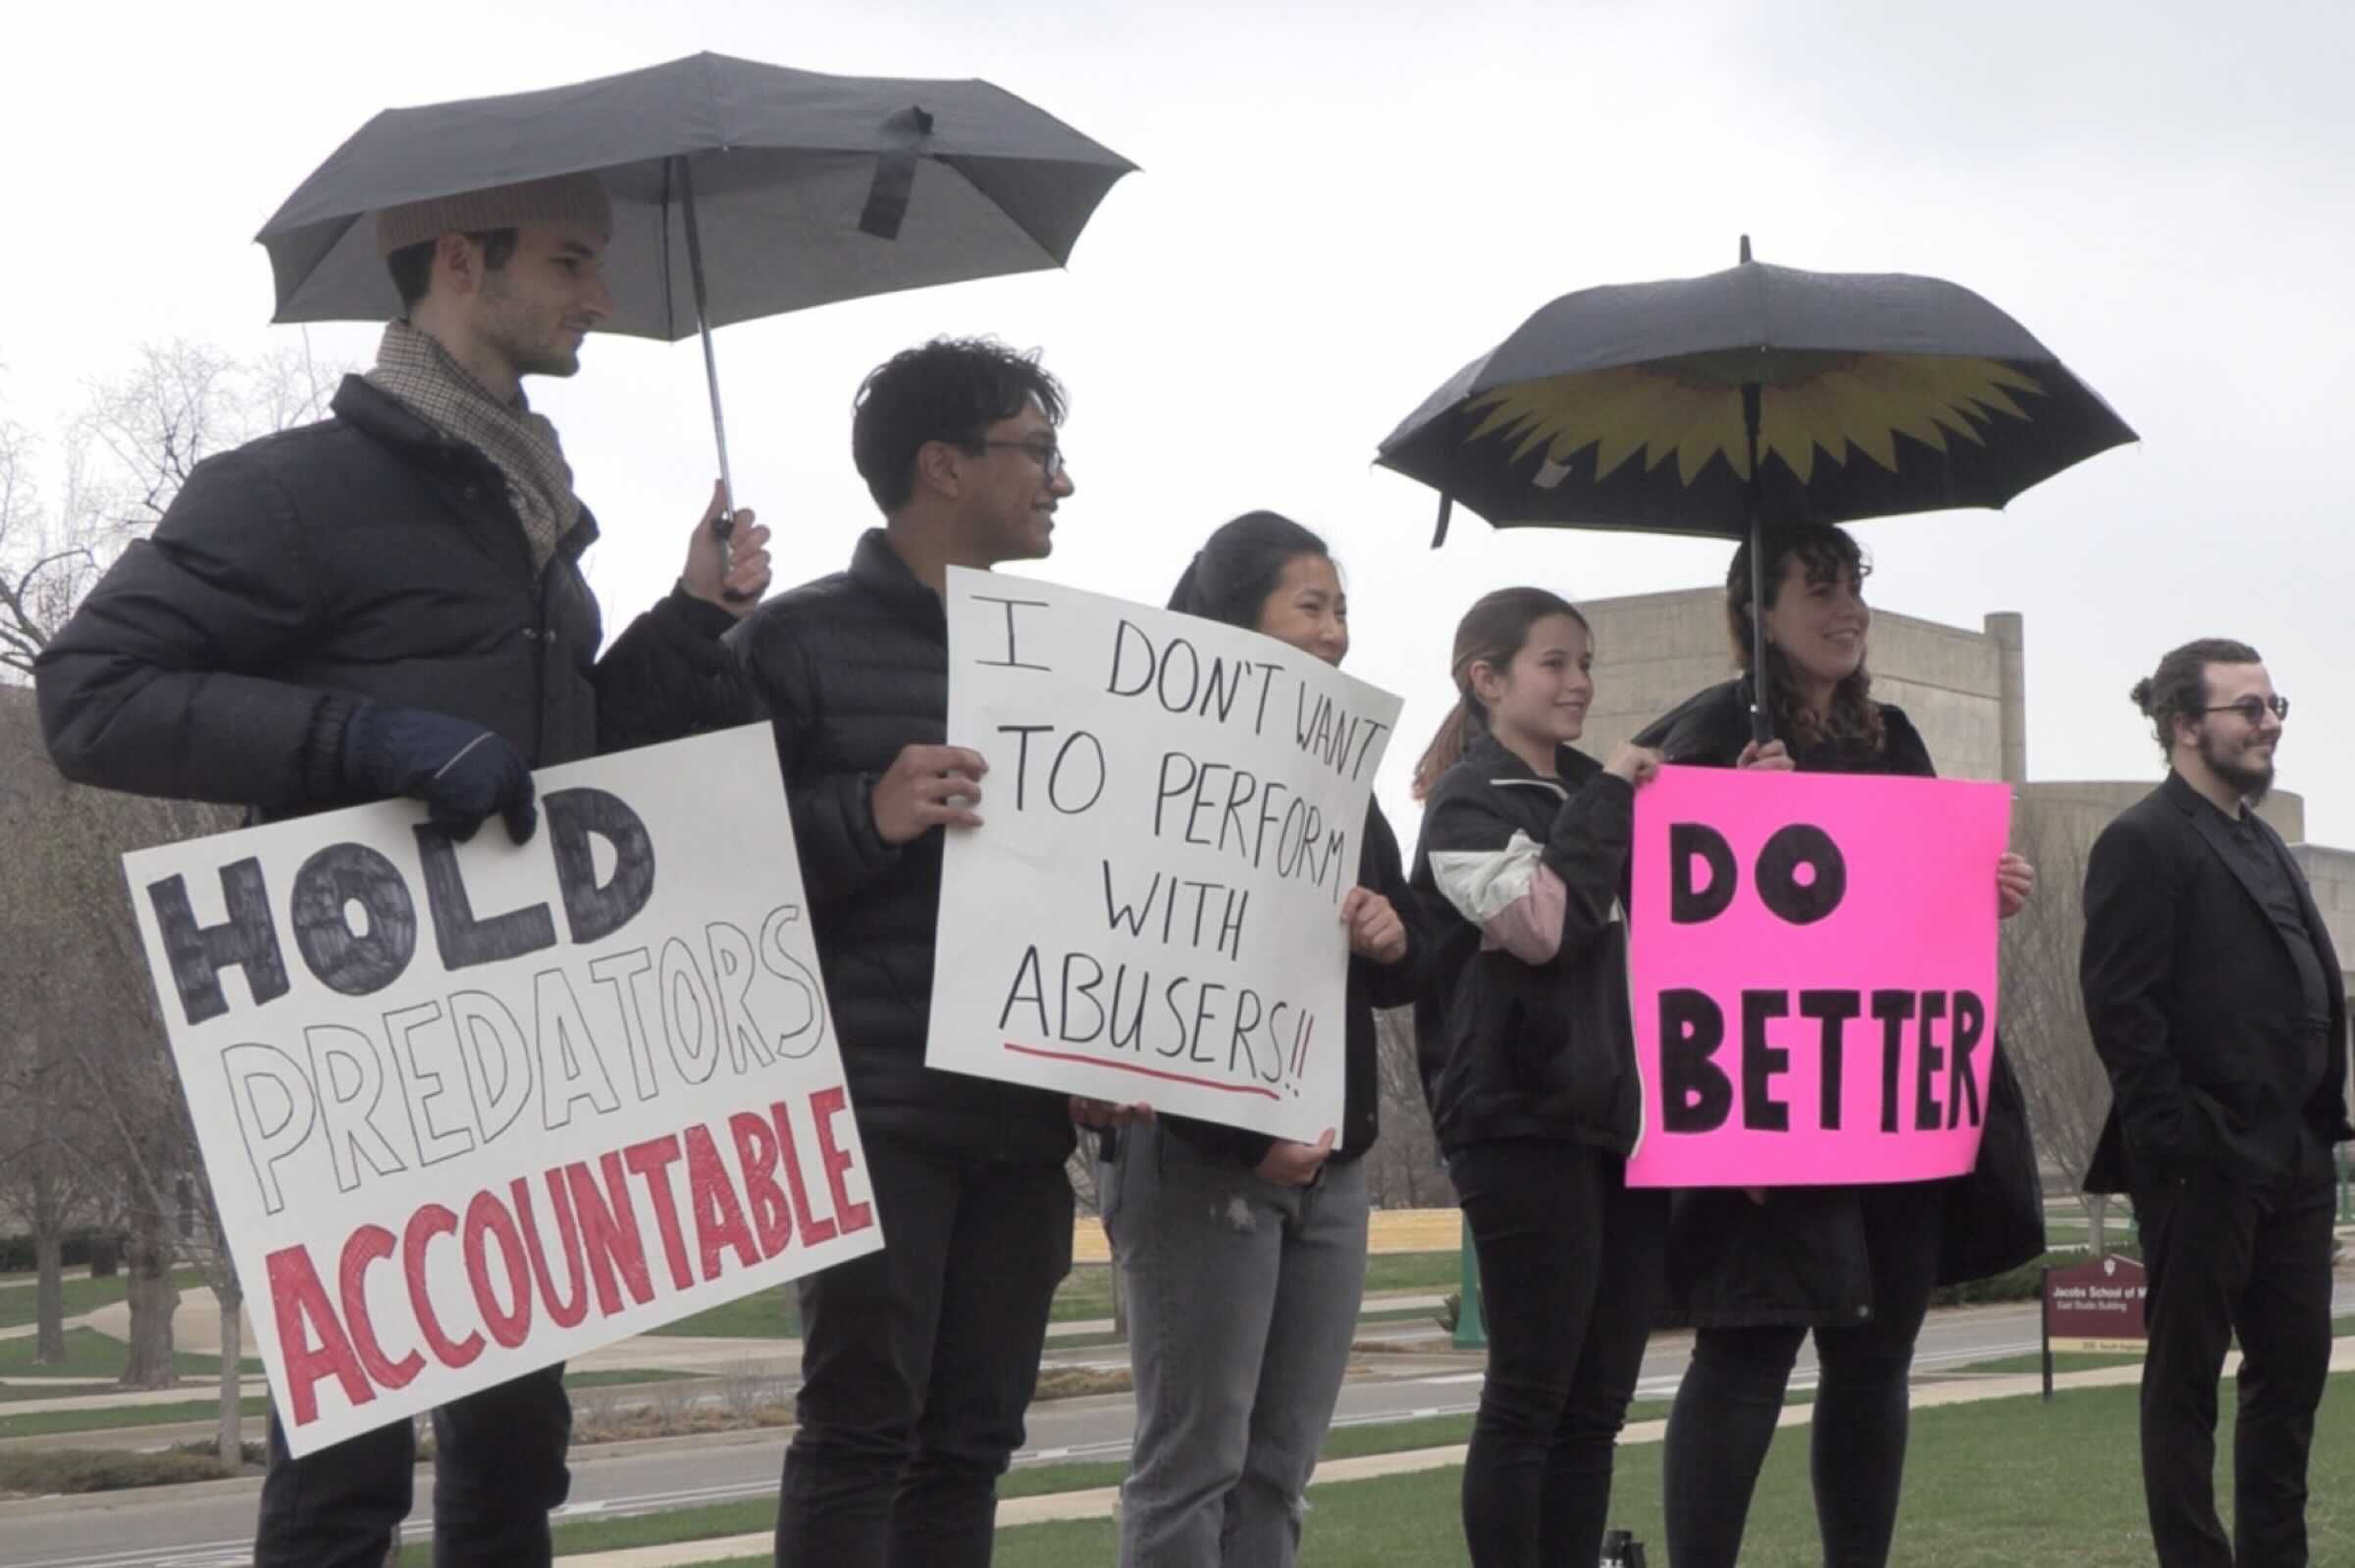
(1471, 1328)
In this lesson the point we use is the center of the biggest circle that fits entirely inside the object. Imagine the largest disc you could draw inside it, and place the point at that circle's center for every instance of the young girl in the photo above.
(1244, 1256)
(1528, 1058)
(1755, 1271)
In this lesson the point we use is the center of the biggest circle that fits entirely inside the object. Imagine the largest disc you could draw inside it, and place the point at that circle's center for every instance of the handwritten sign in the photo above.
(469, 1110)
(1174, 813)
(1812, 966)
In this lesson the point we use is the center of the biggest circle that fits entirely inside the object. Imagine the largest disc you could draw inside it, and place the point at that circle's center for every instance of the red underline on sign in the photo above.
(1150, 1073)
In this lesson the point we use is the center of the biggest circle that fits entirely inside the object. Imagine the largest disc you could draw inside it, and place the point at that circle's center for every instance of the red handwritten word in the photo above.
(747, 1214)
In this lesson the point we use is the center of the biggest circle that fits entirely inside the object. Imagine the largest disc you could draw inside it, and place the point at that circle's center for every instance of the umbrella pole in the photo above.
(1761, 713)
(725, 523)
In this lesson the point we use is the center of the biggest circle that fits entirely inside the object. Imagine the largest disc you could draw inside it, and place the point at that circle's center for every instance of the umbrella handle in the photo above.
(1762, 715)
(725, 523)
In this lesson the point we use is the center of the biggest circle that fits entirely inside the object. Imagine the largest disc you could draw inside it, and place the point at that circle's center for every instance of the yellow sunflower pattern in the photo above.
(1693, 411)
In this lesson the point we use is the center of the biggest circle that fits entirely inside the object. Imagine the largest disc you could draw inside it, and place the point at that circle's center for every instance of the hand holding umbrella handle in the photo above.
(723, 528)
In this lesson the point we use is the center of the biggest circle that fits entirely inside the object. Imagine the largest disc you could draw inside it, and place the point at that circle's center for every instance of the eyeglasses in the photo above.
(2254, 709)
(1045, 453)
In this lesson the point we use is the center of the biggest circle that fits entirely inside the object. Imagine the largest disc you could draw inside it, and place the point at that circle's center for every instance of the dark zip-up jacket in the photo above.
(1371, 985)
(1803, 1256)
(852, 668)
(2208, 1074)
(366, 556)
(1523, 1030)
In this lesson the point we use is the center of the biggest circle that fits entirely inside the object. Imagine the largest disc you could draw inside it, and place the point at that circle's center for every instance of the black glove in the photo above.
(461, 771)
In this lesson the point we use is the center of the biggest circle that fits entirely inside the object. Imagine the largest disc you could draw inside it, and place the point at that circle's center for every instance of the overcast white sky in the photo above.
(1340, 205)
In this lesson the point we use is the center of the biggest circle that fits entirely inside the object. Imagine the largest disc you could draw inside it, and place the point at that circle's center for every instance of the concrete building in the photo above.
(1965, 691)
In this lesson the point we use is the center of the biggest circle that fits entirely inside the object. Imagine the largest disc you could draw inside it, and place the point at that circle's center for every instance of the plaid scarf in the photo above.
(420, 373)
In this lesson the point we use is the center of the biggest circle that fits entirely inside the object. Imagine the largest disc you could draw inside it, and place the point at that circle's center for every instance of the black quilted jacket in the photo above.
(364, 557)
(852, 668)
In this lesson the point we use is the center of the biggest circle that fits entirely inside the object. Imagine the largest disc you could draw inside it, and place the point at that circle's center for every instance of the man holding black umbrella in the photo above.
(390, 603)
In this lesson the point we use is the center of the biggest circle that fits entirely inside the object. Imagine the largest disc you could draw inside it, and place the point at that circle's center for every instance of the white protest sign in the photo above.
(469, 1110)
(1174, 813)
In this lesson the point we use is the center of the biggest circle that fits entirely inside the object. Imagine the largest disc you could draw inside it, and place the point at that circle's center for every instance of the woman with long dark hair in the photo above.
(1755, 1272)
(1528, 1058)
(1244, 1256)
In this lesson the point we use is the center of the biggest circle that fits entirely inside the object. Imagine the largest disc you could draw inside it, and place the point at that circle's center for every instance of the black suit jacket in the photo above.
(2193, 1000)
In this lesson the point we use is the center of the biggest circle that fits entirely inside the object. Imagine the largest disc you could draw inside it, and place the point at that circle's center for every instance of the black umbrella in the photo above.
(1711, 405)
(739, 190)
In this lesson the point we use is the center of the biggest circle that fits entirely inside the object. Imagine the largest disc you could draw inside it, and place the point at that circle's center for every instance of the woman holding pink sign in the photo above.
(1757, 1270)
(1528, 1058)
(1245, 1255)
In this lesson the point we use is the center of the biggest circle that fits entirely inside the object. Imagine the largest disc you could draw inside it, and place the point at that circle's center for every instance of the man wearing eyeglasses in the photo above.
(2213, 996)
(918, 1361)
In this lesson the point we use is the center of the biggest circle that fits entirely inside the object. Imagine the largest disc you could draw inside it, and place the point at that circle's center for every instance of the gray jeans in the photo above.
(1242, 1302)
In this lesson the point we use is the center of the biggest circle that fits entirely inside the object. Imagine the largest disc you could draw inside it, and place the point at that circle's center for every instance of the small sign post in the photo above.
(2096, 1305)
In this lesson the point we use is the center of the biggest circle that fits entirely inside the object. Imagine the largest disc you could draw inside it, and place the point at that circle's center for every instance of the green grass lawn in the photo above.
(2063, 1361)
(2066, 1474)
(761, 1513)
(2083, 1361)
(90, 1356)
(122, 1417)
(48, 1423)
(2010, 1482)
(13, 1393)
(1085, 1296)
(80, 1295)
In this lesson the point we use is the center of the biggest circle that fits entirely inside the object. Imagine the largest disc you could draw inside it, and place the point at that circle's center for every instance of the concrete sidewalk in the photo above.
(1097, 1503)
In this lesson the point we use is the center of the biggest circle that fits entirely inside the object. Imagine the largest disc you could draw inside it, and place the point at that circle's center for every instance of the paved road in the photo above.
(213, 1530)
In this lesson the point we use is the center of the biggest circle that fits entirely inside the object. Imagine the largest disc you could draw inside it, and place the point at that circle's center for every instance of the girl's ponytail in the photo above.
(1465, 722)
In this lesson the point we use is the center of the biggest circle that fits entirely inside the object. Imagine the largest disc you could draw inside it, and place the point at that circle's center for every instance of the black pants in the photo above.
(499, 1468)
(1726, 1408)
(918, 1363)
(2226, 1259)
(1570, 1271)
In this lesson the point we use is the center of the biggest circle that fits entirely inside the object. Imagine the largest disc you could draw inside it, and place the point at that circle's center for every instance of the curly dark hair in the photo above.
(950, 390)
(2178, 689)
(1828, 555)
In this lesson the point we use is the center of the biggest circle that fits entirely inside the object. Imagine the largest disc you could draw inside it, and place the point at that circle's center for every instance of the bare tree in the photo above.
(81, 1015)
(1404, 1169)
(1089, 1197)
(2043, 1009)
(43, 567)
(43, 1175)
(74, 991)
(125, 456)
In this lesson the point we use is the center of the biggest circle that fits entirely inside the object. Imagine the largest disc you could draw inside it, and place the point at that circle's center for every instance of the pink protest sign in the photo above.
(1813, 972)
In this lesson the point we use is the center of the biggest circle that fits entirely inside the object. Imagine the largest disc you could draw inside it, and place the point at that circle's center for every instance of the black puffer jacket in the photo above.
(364, 557)
(1802, 1257)
(852, 668)
(1509, 1047)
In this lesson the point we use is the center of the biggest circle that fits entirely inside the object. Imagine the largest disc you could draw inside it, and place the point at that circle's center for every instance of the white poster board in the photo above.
(469, 1110)
(1172, 815)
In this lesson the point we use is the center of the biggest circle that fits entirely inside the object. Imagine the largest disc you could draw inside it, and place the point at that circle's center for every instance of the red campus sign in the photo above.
(2095, 1306)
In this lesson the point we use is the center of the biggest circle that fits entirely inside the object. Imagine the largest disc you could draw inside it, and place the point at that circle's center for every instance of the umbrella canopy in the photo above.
(1641, 406)
(806, 188)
